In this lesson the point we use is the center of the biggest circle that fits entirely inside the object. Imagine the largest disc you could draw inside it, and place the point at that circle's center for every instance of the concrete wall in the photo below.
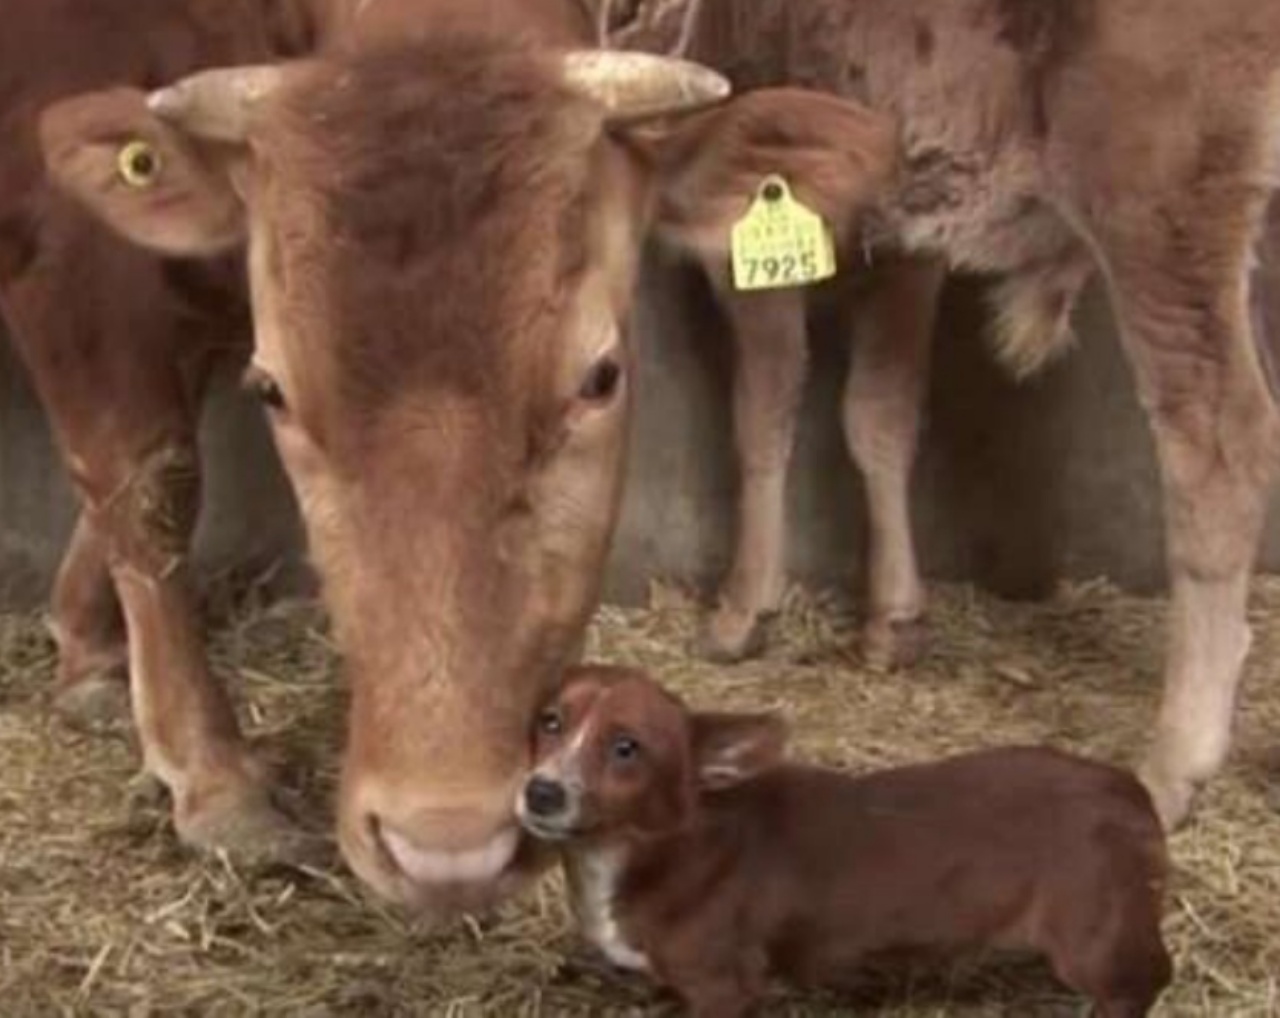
(1016, 486)
(248, 525)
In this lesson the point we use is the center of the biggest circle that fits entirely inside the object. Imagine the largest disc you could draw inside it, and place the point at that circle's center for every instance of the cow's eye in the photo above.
(602, 381)
(266, 388)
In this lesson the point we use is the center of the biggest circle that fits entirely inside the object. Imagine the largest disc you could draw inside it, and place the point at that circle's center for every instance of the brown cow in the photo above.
(696, 854)
(120, 344)
(443, 227)
(1044, 140)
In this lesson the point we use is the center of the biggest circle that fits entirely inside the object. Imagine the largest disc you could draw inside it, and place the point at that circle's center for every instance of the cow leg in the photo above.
(120, 362)
(770, 346)
(882, 406)
(92, 681)
(1186, 326)
(186, 726)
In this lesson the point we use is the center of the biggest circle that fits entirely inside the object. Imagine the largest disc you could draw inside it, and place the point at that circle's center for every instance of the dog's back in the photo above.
(702, 858)
(1013, 848)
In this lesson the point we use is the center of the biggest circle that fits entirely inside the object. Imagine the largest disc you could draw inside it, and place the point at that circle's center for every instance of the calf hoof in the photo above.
(1171, 795)
(98, 704)
(252, 831)
(891, 644)
(732, 636)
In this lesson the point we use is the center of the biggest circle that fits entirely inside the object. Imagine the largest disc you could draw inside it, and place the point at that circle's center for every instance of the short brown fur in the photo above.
(775, 869)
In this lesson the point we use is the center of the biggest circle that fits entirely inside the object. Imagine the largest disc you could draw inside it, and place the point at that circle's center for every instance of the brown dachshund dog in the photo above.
(696, 855)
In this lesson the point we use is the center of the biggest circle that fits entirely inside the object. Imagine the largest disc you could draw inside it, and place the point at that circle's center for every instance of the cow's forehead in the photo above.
(429, 205)
(426, 143)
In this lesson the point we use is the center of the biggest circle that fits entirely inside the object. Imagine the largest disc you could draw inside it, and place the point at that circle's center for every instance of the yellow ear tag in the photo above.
(780, 242)
(139, 164)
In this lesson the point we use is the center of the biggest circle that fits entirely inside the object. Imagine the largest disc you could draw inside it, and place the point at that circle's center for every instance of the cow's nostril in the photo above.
(545, 798)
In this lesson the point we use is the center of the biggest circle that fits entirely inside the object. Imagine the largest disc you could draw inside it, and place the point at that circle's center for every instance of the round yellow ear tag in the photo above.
(139, 164)
(780, 242)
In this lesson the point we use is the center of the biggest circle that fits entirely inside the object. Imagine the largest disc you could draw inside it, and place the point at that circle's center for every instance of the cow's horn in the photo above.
(639, 86)
(217, 104)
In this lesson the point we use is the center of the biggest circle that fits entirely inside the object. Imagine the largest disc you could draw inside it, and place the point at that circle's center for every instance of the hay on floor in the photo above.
(102, 913)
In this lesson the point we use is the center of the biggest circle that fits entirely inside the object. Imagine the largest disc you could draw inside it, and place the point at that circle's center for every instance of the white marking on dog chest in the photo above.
(593, 887)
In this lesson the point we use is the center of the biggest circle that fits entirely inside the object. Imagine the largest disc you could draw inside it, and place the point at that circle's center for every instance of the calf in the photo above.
(694, 854)
(1043, 142)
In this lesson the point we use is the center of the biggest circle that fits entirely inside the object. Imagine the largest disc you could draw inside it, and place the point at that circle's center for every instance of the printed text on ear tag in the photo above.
(780, 242)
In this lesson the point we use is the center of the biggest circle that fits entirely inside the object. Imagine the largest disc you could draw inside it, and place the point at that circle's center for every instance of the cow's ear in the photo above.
(836, 155)
(731, 748)
(151, 182)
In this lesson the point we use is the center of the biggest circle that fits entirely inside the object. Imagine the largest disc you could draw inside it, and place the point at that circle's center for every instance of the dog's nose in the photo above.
(545, 798)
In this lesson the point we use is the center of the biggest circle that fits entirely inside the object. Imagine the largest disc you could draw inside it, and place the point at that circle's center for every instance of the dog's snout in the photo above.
(544, 797)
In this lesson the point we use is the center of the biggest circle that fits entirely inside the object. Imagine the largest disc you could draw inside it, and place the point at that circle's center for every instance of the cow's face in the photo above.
(442, 249)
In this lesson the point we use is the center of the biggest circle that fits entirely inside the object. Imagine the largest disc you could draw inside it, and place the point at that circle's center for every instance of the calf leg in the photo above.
(1217, 448)
(92, 680)
(1185, 320)
(770, 344)
(882, 406)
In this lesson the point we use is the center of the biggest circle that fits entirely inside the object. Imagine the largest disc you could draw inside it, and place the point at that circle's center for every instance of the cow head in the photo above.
(442, 244)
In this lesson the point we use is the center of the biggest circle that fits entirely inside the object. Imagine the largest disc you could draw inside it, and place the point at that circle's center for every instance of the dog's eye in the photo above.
(550, 722)
(625, 748)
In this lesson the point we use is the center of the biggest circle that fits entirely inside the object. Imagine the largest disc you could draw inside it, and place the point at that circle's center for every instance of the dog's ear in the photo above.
(731, 748)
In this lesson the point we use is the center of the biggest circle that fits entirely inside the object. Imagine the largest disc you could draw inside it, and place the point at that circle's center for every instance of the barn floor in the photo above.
(101, 913)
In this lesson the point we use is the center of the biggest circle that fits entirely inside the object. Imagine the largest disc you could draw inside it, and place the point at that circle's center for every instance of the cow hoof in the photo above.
(892, 644)
(98, 704)
(732, 636)
(252, 831)
(1172, 796)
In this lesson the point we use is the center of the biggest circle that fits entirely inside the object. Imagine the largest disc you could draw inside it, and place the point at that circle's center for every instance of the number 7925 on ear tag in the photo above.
(780, 242)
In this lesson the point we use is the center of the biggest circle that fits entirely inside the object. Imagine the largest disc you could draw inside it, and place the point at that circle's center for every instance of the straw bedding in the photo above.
(101, 912)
